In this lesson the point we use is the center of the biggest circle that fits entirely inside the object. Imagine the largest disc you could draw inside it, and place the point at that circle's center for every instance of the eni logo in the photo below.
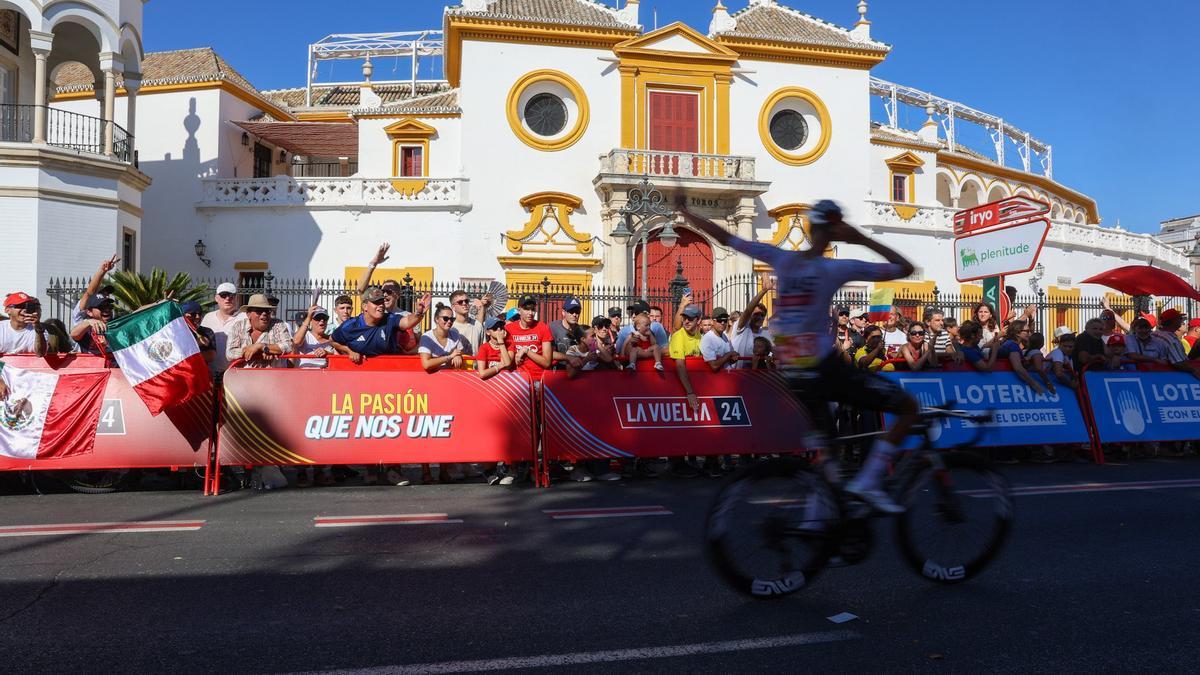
(17, 414)
(968, 257)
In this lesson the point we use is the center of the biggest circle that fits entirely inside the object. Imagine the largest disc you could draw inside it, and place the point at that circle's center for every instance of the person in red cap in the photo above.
(1193, 333)
(23, 332)
(1117, 359)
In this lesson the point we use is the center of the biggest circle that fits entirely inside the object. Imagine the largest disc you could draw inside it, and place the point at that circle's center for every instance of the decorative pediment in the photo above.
(680, 42)
(791, 228)
(409, 128)
(905, 162)
(549, 229)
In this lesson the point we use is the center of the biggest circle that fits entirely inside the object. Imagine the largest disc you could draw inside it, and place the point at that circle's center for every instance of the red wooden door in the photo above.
(661, 264)
(674, 127)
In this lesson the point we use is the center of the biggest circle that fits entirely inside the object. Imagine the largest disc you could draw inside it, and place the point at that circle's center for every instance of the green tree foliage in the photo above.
(134, 289)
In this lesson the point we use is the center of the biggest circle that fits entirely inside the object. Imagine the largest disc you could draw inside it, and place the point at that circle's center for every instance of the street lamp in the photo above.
(1038, 272)
(644, 203)
(201, 249)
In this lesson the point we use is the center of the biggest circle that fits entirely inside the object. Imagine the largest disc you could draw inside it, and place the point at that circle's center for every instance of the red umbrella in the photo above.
(1144, 280)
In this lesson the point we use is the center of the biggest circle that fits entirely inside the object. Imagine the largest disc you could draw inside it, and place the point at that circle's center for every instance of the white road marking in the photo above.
(607, 512)
(49, 530)
(394, 519)
(609, 656)
(1077, 488)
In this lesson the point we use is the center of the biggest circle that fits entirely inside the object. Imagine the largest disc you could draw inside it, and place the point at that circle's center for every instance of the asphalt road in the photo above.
(1090, 581)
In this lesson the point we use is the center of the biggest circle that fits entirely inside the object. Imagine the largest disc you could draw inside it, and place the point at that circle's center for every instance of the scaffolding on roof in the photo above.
(1027, 146)
(354, 46)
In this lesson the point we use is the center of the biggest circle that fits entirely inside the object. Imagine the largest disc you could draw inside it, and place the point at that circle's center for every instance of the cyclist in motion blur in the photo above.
(804, 341)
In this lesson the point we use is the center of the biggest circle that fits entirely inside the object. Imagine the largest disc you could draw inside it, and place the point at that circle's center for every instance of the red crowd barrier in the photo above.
(127, 436)
(388, 411)
(607, 414)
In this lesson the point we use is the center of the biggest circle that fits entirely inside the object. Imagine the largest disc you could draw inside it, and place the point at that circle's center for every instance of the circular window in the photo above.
(546, 115)
(794, 126)
(788, 129)
(547, 110)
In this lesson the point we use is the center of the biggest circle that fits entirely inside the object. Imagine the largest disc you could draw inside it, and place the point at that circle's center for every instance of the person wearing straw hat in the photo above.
(258, 337)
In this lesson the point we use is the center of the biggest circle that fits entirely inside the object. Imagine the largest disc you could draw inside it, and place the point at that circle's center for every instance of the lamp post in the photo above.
(644, 202)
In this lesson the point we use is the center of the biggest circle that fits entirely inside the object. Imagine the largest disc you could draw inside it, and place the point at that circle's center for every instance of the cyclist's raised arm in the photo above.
(850, 235)
(720, 234)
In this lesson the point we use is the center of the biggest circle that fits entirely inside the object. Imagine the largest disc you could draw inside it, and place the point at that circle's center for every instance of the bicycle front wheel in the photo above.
(957, 518)
(772, 528)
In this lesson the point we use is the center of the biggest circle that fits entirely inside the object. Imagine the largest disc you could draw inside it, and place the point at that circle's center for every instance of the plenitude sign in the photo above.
(1011, 249)
(997, 213)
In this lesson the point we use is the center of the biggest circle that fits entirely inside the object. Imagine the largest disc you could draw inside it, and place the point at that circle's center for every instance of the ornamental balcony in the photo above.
(621, 169)
(64, 129)
(418, 194)
(1064, 234)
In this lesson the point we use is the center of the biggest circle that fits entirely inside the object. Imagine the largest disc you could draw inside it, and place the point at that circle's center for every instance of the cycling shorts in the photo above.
(834, 380)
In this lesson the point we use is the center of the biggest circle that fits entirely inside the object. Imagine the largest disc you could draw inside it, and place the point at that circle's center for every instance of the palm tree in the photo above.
(133, 289)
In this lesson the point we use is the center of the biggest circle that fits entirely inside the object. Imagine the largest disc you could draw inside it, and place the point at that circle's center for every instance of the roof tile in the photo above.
(158, 68)
(571, 12)
(769, 21)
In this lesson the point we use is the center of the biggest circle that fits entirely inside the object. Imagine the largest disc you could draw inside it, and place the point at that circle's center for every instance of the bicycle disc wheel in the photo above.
(956, 519)
(772, 528)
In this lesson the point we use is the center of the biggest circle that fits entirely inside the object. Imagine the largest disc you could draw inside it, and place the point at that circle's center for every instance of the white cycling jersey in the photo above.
(805, 286)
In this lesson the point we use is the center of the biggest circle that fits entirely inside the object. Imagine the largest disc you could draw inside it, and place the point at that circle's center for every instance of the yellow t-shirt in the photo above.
(682, 344)
(874, 365)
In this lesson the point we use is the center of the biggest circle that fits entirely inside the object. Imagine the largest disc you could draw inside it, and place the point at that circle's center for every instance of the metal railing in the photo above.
(323, 169)
(733, 293)
(64, 129)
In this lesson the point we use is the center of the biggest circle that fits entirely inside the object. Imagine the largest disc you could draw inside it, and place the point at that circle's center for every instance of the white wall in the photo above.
(375, 148)
(841, 173)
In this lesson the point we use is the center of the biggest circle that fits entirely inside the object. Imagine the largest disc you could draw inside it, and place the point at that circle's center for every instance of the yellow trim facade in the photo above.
(969, 164)
(764, 126)
(769, 50)
(707, 74)
(517, 124)
(409, 132)
(905, 164)
(461, 28)
(227, 87)
(549, 229)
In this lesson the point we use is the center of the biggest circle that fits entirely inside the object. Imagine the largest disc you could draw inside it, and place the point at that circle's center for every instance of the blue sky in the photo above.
(1111, 84)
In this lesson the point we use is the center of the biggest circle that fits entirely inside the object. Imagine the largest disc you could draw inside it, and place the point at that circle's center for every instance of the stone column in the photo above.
(133, 82)
(743, 222)
(111, 67)
(616, 254)
(41, 44)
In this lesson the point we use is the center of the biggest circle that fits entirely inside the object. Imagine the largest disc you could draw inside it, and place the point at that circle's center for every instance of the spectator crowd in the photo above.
(470, 332)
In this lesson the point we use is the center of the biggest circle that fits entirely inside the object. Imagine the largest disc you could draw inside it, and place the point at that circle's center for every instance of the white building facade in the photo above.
(70, 191)
(516, 166)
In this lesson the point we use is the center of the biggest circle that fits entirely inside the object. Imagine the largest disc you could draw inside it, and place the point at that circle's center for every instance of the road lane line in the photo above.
(1083, 488)
(607, 512)
(48, 530)
(608, 656)
(394, 519)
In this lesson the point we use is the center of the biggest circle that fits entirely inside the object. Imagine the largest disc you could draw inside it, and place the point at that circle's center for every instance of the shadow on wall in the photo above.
(172, 223)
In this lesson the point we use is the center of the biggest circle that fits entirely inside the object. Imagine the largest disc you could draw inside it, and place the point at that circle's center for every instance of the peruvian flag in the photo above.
(158, 354)
(48, 415)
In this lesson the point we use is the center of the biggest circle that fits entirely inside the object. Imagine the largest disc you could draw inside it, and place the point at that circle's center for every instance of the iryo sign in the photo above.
(1006, 250)
(995, 213)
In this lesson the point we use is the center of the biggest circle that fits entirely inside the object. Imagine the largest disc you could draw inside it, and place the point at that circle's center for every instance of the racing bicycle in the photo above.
(775, 525)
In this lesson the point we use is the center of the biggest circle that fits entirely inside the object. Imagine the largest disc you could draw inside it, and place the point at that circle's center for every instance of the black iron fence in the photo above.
(294, 295)
(64, 129)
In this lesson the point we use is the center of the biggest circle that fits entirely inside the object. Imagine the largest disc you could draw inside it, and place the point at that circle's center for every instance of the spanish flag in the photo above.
(881, 304)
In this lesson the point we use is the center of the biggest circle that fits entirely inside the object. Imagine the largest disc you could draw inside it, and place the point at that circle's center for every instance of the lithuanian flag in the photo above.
(158, 354)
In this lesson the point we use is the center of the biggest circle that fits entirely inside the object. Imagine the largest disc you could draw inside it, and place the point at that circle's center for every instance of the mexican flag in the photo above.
(50, 414)
(158, 354)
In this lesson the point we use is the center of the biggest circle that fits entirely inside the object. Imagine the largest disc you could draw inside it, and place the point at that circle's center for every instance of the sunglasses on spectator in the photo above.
(464, 301)
(389, 291)
(260, 311)
(917, 332)
(445, 318)
(28, 306)
(721, 320)
(225, 295)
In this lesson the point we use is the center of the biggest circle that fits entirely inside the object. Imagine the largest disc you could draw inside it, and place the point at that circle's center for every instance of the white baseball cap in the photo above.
(1061, 331)
(226, 288)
